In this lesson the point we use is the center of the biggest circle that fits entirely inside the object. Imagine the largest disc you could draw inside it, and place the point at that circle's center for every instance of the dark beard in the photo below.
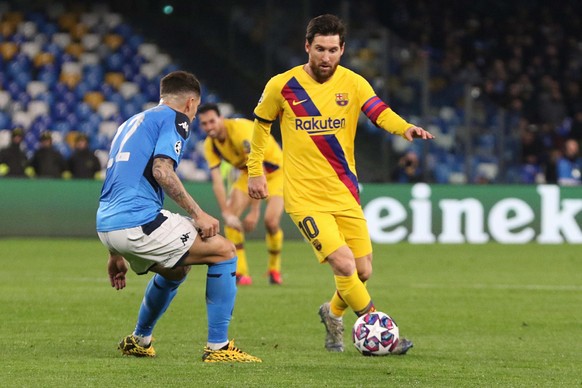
(319, 76)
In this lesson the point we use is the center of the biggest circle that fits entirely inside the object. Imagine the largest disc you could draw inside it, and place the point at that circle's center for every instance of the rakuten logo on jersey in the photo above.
(315, 124)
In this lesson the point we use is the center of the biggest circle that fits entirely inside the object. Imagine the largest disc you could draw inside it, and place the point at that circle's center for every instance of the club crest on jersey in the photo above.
(341, 99)
(178, 147)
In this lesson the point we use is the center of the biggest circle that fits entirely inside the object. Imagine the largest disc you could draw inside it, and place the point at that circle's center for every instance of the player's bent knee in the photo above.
(272, 226)
(226, 249)
(342, 267)
(176, 273)
(365, 275)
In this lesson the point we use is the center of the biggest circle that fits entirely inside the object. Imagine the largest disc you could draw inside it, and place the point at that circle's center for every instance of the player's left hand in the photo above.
(417, 132)
(257, 187)
(117, 268)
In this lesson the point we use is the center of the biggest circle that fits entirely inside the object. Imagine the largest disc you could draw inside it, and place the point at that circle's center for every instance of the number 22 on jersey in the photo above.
(124, 132)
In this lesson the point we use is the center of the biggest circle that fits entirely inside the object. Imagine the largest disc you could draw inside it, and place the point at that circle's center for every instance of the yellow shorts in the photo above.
(328, 231)
(274, 182)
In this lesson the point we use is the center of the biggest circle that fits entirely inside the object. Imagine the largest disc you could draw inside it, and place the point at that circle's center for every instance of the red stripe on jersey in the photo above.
(298, 99)
(331, 150)
(290, 96)
(373, 107)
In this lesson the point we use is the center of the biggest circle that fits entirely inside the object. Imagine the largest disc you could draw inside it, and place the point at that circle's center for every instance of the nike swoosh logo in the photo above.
(295, 103)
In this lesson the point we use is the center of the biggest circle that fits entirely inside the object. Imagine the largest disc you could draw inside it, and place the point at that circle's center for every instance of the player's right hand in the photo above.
(116, 268)
(258, 187)
(206, 225)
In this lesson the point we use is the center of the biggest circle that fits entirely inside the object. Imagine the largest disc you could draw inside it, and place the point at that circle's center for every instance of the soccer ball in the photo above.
(375, 334)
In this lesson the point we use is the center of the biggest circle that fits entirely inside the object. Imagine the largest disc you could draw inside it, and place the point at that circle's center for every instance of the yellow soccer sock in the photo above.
(337, 305)
(354, 293)
(274, 245)
(238, 239)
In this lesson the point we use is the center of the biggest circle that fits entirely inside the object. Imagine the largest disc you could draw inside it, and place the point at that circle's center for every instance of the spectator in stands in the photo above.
(551, 107)
(550, 166)
(532, 147)
(83, 163)
(570, 165)
(47, 162)
(408, 169)
(13, 159)
(576, 128)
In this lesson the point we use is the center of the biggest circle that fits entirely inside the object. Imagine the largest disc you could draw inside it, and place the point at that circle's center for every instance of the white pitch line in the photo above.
(536, 287)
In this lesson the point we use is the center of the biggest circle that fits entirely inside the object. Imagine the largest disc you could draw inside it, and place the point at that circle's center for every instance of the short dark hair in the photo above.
(326, 25)
(179, 82)
(209, 107)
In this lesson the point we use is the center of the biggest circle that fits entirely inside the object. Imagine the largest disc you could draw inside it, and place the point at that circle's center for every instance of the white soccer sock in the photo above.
(216, 346)
(143, 340)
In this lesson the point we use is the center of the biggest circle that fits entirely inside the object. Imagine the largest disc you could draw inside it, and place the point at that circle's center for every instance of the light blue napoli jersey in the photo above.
(130, 195)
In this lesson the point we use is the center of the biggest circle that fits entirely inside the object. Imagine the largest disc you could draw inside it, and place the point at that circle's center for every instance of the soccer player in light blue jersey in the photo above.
(135, 228)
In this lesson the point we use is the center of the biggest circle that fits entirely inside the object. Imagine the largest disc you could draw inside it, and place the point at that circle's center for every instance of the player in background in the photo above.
(132, 224)
(229, 140)
(318, 105)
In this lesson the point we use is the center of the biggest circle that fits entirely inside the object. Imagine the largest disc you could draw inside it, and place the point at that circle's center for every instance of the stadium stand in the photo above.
(480, 75)
(499, 84)
(80, 69)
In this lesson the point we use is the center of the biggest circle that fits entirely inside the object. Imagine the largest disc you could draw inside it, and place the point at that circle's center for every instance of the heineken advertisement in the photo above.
(425, 214)
(418, 214)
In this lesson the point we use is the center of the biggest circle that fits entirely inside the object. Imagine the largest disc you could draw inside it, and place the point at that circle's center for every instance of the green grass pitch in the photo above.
(480, 315)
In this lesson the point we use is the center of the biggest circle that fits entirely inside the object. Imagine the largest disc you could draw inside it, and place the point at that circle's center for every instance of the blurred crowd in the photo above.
(523, 57)
(47, 161)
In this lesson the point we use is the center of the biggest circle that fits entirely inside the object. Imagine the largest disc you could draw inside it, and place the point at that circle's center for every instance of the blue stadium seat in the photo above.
(83, 88)
(43, 53)
(124, 30)
(23, 98)
(5, 120)
(14, 89)
(129, 109)
(93, 75)
(37, 127)
(31, 140)
(62, 126)
(60, 111)
(83, 111)
(117, 98)
(107, 90)
(114, 62)
(49, 76)
(139, 99)
(127, 51)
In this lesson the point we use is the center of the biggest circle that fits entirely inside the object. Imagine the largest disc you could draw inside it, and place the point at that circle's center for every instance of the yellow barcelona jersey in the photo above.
(318, 128)
(237, 146)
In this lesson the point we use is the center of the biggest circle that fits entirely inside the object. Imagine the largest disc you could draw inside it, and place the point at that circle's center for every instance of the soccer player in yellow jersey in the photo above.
(318, 105)
(230, 140)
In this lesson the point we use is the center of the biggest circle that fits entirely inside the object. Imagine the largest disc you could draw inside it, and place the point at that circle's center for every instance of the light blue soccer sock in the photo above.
(158, 296)
(220, 296)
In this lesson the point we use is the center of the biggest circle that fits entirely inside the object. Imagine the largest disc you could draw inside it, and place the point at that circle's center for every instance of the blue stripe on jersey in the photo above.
(298, 99)
(332, 151)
